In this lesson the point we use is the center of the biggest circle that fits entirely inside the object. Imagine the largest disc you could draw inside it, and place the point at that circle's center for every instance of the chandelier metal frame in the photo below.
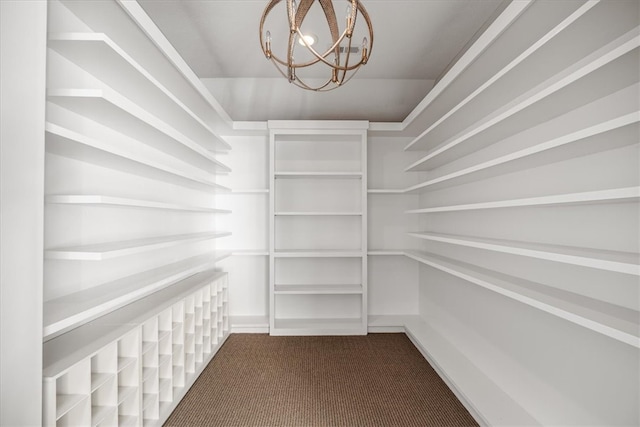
(341, 68)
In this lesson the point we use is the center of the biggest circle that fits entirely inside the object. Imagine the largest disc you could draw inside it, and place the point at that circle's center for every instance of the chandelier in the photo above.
(339, 60)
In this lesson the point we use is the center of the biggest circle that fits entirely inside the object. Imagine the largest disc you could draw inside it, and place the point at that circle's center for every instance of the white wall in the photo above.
(22, 85)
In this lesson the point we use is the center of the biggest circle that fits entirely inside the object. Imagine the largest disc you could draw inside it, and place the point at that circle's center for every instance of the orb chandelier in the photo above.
(339, 60)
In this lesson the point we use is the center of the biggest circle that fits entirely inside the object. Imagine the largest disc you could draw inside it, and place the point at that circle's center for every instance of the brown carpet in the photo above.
(373, 380)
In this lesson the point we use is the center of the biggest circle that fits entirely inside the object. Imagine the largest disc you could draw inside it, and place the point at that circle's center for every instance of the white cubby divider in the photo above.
(318, 214)
(128, 367)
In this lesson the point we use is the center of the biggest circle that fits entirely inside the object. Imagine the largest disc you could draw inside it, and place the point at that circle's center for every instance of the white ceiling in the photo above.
(415, 41)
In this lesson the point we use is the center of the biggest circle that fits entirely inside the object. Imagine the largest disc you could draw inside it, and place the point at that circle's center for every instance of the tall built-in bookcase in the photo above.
(318, 228)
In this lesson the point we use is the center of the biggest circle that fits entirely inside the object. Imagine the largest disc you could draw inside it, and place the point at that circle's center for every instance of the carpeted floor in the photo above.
(373, 380)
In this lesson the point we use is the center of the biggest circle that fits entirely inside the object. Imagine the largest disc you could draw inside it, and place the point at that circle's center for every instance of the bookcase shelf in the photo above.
(318, 182)
(116, 249)
(67, 143)
(610, 320)
(619, 262)
(101, 200)
(97, 54)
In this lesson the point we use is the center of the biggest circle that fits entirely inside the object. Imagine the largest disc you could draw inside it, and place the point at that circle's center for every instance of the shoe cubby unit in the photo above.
(527, 218)
(318, 223)
(133, 365)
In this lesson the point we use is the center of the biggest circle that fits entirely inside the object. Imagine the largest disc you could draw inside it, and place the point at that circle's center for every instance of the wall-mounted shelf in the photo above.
(480, 90)
(64, 142)
(620, 262)
(102, 57)
(100, 200)
(102, 251)
(117, 112)
(549, 91)
(610, 320)
(568, 146)
(616, 195)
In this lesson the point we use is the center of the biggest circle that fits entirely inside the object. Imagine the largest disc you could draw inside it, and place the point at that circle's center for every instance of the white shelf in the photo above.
(67, 143)
(571, 145)
(610, 320)
(549, 90)
(620, 262)
(117, 112)
(71, 310)
(103, 251)
(318, 289)
(478, 91)
(615, 195)
(317, 254)
(88, 199)
(66, 402)
(336, 175)
(332, 326)
(99, 413)
(102, 57)
(98, 379)
(318, 213)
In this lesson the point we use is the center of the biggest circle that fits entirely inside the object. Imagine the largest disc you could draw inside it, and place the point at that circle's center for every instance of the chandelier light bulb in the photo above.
(339, 62)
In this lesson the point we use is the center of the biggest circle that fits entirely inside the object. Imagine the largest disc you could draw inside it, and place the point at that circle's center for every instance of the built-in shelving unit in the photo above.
(135, 303)
(318, 222)
(128, 367)
(527, 217)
